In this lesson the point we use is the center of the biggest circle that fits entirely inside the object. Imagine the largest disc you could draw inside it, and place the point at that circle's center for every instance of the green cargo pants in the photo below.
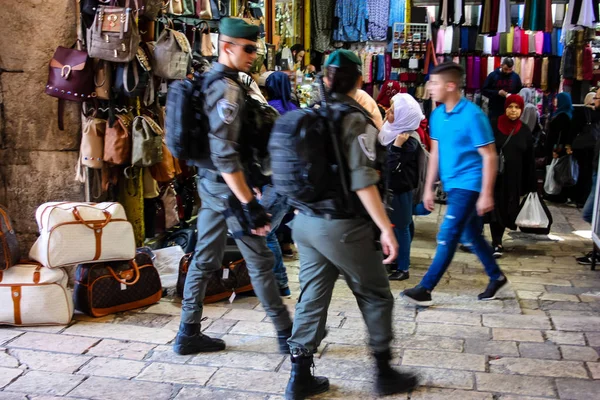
(326, 248)
(210, 248)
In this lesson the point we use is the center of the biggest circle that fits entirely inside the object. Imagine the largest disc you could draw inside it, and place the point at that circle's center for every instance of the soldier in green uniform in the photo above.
(220, 178)
(344, 242)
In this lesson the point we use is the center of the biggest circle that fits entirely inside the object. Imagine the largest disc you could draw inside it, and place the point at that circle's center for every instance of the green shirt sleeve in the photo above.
(360, 144)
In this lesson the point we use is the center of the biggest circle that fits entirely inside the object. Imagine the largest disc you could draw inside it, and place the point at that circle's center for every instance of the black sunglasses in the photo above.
(248, 48)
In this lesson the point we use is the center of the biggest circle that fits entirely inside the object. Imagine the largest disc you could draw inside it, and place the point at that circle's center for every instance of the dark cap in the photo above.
(239, 29)
(343, 58)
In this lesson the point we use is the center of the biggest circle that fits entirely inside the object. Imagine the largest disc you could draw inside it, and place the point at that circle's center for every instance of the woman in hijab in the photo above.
(531, 115)
(514, 141)
(279, 91)
(559, 133)
(399, 135)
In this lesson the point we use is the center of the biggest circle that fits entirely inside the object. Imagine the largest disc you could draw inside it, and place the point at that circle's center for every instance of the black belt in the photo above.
(211, 175)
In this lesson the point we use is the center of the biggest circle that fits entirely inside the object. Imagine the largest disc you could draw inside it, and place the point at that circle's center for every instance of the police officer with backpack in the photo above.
(334, 231)
(228, 203)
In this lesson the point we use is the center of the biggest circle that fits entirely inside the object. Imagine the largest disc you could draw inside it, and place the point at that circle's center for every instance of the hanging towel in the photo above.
(496, 44)
(517, 40)
(524, 42)
(477, 73)
(379, 13)
(497, 62)
(579, 64)
(448, 35)
(503, 44)
(544, 80)
(527, 68)
(388, 66)
(380, 68)
(548, 25)
(441, 38)
(503, 22)
(470, 72)
(547, 47)
(464, 39)
(555, 39)
(537, 72)
(559, 15)
(539, 42)
(479, 43)
(486, 15)
(490, 66)
(532, 43)
(510, 40)
(538, 15)
(518, 65)
(487, 44)
(526, 25)
(455, 39)
(587, 15)
(474, 39)
(483, 73)
(495, 17)
(588, 63)
(560, 47)
(577, 7)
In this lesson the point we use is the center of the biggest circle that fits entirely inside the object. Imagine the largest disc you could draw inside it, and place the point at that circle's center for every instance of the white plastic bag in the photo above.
(550, 185)
(532, 214)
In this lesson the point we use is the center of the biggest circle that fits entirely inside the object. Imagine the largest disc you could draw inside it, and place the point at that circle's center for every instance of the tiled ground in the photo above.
(540, 342)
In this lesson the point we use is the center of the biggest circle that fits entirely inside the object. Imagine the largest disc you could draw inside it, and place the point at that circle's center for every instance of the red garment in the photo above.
(497, 61)
(524, 43)
(423, 131)
(388, 90)
(495, 16)
(588, 63)
(483, 73)
(505, 124)
(549, 25)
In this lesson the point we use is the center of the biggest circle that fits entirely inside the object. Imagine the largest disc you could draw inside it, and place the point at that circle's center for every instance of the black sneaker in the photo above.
(418, 295)
(190, 340)
(399, 276)
(498, 251)
(587, 259)
(493, 289)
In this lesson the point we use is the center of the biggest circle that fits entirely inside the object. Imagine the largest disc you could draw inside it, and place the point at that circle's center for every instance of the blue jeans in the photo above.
(588, 208)
(277, 206)
(461, 223)
(402, 220)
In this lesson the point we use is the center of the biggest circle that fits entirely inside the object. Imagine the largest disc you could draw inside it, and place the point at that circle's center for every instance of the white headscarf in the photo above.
(407, 117)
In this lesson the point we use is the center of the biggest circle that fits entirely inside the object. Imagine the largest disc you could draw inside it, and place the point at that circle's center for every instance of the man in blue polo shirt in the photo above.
(463, 150)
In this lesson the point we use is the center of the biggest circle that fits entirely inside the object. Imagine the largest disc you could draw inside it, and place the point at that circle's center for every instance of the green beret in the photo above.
(238, 28)
(343, 58)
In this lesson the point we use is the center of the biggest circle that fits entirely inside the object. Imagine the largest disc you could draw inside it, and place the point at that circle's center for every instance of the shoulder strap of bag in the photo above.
(507, 140)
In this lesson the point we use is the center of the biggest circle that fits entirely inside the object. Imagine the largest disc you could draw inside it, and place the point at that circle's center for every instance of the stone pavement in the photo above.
(541, 341)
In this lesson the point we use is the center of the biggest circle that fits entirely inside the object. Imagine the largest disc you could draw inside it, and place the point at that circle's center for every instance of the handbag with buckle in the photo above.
(147, 142)
(172, 55)
(114, 34)
(107, 288)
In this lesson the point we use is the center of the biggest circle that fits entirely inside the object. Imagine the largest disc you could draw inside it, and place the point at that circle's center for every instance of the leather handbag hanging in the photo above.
(9, 247)
(204, 40)
(92, 142)
(132, 79)
(117, 141)
(76, 233)
(33, 295)
(203, 9)
(150, 9)
(167, 169)
(107, 288)
(181, 7)
(172, 55)
(169, 202)
(102, 79)
(114, 34)
(147, 142)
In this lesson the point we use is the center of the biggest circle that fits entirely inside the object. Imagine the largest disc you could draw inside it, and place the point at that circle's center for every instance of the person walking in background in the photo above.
(399, 136)
(530, 115)
(499, 84)
(559, 133)
(515, 143)
(366, 101)
(463, 151)
(279, 92)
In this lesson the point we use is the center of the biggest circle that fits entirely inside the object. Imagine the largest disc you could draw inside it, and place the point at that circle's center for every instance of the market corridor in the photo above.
(542, 341)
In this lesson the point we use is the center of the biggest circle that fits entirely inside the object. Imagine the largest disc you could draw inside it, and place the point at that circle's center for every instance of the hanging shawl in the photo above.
(564, 105)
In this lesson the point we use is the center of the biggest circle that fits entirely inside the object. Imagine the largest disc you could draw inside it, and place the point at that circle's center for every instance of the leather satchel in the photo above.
(147, 142)
(114, 34)
(132, 78)
(70, 75)
(184, 237)
(167, 168)
(107, 288)
(33, 295)
(181, 7)
(92, 142)
(117, 141)
(205, 40)
(203, 9)
(172, 55)
(221, 285)
(169, 202)
(79, 233)
(10, 254)
(102, 79)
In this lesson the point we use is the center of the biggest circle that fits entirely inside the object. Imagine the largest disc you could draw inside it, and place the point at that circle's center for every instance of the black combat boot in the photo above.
(282, 338)
(190, 340)
(388, 380)
(302, 383)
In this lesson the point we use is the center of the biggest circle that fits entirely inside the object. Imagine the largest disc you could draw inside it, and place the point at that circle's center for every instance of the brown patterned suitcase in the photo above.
(111, 287)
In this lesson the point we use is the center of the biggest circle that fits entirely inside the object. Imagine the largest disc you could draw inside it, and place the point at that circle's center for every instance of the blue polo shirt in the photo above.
(459, 134)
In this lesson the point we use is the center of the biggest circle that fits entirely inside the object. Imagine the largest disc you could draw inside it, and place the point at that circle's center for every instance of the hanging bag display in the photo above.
(117, 141)
(102, 79)
(78, 233)
(169, 204)
(566, 171)
(107, 288)
(147, 142)
(181, 7)
(33, 295)
(132, 79)
(150, 9)
(550, 185)
(9, 246)
(172, 55)
(114, 34)
(204, 41)
(168, 168)
(534, 216)
(92, 142)
(204, 9)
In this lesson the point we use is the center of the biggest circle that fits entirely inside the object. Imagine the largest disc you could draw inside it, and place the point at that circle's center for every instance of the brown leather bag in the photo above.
(108, 288)
(102, 79)
(166, 170)
(206, 44)
(203, 9)
(10, 254)
(92, 142)
(117, 141)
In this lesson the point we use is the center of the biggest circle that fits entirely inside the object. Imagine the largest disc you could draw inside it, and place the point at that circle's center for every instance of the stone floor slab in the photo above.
(494, 348)
(518, 335)
(422, 342)
(579, 353)
(122, 332)
(39, 382)
(578, 389)
(7, 334)
(594, 368)
(7, 375)
(521, 321)
(449, 394)
(15, 396)
(560, 337)
(577, 324)
(435, 359)
(121, 349)
(50, 362)
(239, 359)
(535, 367)
(457, 331)
(449, 317)
(6, 360)
(112, 368)
(525, 385)
(254, 329)
(97, 388)
(195, 393)
(259, 344)
(54, 343)
(444, 378)
(270, 382)
(180, 374)
(545, 351)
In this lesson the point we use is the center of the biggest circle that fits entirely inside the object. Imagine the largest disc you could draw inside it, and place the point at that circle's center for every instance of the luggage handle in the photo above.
(92, 225)
(123, 281)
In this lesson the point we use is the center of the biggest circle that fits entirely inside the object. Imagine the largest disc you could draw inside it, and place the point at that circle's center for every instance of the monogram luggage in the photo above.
(108, 288)
(31, 294)
(79, 233)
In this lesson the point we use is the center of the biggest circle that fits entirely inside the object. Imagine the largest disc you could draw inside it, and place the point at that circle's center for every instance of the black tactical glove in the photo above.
(255, 214)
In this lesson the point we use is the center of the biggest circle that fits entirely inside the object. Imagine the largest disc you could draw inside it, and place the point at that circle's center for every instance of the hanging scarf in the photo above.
(388, 90)
(407, 118)
(564, 105)
(280, 90)
(505, 124)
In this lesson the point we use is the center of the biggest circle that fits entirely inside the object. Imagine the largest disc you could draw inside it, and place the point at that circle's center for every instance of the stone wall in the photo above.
(37, 161)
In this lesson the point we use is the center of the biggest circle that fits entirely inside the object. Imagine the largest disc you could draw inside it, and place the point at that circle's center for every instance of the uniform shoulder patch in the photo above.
(227, 110)
(367, 144)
